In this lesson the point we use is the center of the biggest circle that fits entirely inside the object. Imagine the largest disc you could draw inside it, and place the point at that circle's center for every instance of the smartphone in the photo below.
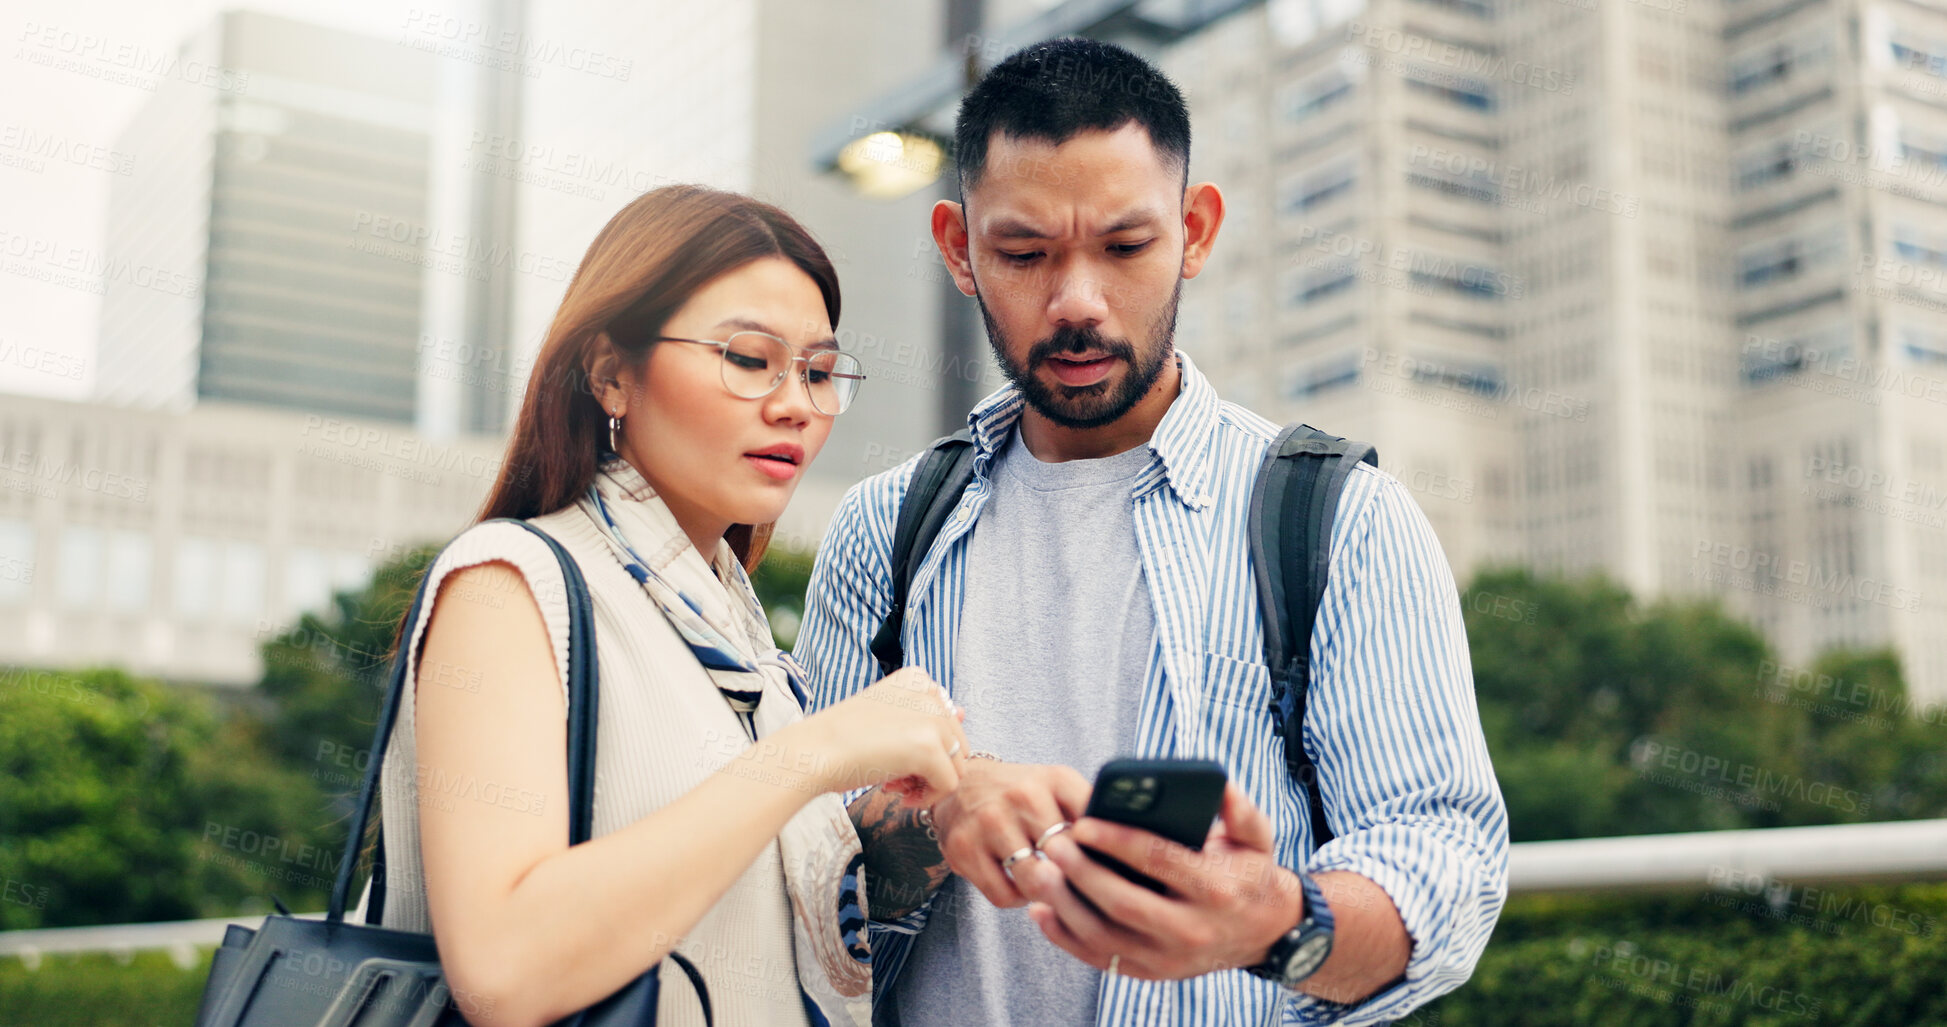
(1175, 799)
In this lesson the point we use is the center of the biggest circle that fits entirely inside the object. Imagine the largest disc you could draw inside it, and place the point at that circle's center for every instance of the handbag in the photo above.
(293, 972)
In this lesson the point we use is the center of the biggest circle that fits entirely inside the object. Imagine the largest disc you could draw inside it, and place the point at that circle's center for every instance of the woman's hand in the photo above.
(903, 732)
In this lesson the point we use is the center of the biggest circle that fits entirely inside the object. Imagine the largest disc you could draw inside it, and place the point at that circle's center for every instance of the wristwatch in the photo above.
(1303, 949)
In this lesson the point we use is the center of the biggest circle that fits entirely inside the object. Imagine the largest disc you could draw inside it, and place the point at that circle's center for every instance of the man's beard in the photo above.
(1088, 406)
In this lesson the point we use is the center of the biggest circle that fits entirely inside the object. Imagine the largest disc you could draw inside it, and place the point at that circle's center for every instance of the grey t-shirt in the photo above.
(1056, 634)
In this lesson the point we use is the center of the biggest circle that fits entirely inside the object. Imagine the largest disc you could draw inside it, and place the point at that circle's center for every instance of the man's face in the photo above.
(1077, 260)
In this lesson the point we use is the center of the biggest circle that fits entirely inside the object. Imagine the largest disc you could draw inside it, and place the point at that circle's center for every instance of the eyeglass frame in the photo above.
(797, 357)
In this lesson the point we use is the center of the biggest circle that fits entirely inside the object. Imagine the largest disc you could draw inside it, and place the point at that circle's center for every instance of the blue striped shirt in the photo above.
(1391, 721)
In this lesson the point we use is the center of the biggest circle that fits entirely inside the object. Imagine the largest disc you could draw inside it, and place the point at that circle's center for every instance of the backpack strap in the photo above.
(1292, 506)
(935, 489)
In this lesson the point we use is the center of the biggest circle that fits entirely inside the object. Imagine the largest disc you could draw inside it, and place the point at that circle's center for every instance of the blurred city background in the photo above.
(1644, 300)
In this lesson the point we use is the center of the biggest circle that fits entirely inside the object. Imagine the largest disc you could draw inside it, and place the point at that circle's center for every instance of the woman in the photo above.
(688, 379)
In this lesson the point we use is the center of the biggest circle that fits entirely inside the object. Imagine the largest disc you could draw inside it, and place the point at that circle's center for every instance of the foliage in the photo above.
(780, 582)
(96, 990)
(1860, 956)
(126, 800)
(325, 677)
(1609, 717)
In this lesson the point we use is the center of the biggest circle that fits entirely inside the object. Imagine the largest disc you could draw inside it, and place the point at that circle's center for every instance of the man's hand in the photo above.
(1000, 809)
(1223, 908)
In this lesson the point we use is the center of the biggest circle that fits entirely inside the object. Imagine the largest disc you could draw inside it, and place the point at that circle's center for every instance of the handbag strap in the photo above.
(583, 689)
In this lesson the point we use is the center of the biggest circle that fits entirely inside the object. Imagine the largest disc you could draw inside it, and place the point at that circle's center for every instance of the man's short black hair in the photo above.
(1053, 90)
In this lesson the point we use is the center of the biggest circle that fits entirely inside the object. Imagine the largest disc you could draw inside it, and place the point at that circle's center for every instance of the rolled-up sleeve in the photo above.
(1395, 732)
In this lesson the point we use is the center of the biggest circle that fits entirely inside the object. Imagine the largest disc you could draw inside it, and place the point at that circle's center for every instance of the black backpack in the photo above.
(1292, 506)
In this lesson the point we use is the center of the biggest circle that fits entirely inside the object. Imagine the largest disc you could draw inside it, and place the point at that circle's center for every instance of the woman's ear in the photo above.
(608, 381)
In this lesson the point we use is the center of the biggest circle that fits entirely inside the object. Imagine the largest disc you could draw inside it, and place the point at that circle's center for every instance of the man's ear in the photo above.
(1203, 214)
(950, 235)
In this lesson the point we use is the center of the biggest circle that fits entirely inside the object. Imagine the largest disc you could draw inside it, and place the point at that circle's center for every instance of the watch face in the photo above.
(1309, 954)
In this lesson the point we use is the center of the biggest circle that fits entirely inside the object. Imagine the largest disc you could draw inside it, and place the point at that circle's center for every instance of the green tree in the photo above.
(780, 584)
(325, 677)
(1606, 716)
(126, 800)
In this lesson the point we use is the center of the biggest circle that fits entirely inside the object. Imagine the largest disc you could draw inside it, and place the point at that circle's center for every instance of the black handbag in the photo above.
(294, 972)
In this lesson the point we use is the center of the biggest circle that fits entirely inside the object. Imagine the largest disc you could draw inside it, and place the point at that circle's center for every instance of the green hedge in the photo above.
(1848, 956)
(101, 991)
(1864, 956)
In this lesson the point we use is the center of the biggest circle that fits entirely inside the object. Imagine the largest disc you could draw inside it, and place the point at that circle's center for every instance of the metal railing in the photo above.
(1911, 850)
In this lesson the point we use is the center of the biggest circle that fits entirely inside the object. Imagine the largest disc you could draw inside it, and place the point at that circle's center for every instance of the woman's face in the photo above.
(698, 444)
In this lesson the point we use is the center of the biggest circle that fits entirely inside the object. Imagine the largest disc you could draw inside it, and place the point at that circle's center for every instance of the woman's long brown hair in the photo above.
(650, 258)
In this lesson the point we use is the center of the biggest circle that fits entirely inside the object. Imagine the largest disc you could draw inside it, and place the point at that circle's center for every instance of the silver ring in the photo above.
(1022, 853)
(954, 750)
(1115, 965)
(1058, 828)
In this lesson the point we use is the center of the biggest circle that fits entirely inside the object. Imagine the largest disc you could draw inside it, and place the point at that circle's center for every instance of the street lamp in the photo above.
(889, 165)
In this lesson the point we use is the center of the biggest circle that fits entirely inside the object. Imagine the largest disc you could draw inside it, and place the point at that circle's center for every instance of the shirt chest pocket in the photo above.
(1231, 682)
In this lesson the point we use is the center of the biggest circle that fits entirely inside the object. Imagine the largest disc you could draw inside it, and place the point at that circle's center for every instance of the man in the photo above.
(1092, 596)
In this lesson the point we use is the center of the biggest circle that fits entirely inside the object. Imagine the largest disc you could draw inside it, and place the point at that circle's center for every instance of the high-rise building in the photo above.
(1653, 288)
(293, 180)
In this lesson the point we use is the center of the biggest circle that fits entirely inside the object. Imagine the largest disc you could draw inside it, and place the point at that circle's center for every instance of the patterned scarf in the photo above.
(819, 847)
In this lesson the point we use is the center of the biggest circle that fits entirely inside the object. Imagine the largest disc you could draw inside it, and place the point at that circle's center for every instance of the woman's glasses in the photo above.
(756, 363)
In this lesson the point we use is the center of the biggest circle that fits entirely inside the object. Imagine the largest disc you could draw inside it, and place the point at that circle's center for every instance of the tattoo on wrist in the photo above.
(903, 864)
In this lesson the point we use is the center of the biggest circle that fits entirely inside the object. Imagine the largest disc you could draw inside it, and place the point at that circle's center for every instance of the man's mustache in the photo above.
(1079, 340)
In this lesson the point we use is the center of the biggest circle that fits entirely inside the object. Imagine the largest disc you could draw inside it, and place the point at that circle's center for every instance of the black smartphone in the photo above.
(1175, 799)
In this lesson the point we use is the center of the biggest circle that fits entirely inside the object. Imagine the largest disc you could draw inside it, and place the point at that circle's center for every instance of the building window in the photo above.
(1477, 8)
(1460, 90)
(80, 583)
(130, 555)
(219, 579)
(1764, 164)
(1320, 186)
(16, 561)
(1778, 61)
(1914, 244)
(1315, 93)
(1923, 346)
(1473, 281)
(1332, 373)
(1318, 284)
(1915, 53)
(313, 576)
(1776, 260)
